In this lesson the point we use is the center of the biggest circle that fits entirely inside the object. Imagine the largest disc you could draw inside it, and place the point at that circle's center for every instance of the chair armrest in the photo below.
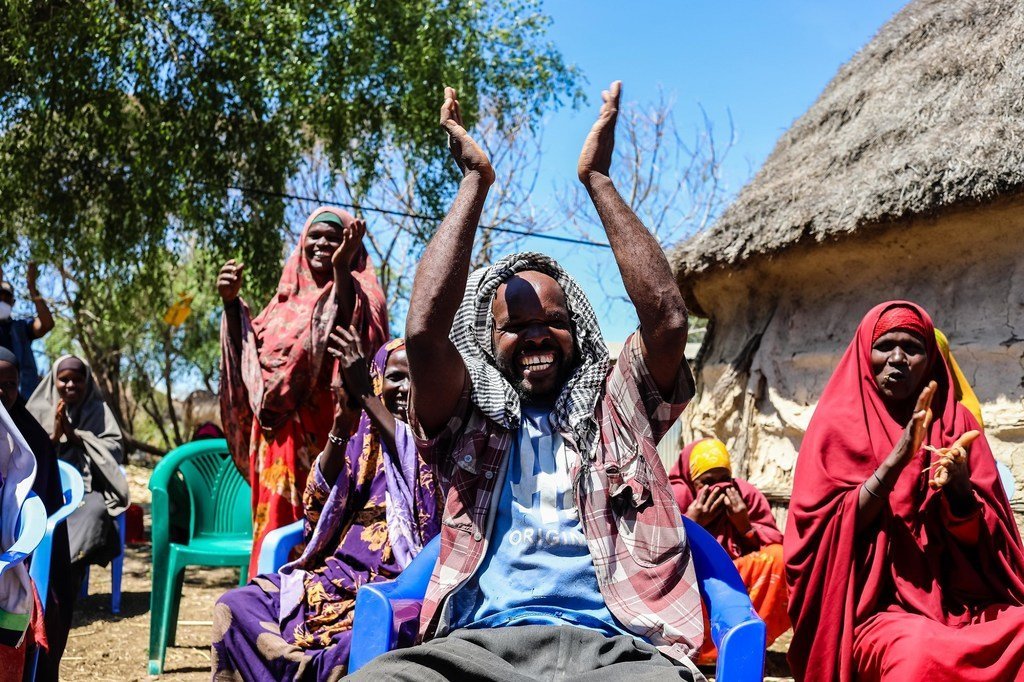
(277, 544)
(741, 652)
(39, 568)
(31, 529)
(374, 627)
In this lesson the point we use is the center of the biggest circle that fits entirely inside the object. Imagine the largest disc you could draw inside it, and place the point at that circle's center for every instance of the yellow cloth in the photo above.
(179, 311)
(709, 454)
(964, 393)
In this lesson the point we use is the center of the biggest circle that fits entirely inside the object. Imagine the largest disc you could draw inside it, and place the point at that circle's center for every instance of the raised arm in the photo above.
(43, 324)
(341, 263)
(645, 270)
(436, 369)
(229, 284)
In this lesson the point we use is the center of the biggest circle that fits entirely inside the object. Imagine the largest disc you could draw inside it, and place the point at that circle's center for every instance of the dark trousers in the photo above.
(526, 653)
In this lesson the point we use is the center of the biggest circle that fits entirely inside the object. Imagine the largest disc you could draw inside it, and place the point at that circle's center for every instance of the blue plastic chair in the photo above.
(277, 544)
(736, 629)
(116, 568)
(31, 529)
(74, 490)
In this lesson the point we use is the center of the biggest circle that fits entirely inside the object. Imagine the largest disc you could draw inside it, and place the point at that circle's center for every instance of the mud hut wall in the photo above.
(780, 326)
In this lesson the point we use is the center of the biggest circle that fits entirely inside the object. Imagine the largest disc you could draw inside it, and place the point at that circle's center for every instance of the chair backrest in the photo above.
(710, 560)
(1006, 477)
(219, 498)
(736, 629)
(73, 486)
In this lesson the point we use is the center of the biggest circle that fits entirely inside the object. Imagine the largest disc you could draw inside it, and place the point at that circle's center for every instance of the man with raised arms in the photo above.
(563, 551)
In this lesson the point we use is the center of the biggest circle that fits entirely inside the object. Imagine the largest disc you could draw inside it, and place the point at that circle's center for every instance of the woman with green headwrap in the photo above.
(276, 403)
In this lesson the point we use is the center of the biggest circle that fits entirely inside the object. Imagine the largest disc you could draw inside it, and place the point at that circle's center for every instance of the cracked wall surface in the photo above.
(780, 325)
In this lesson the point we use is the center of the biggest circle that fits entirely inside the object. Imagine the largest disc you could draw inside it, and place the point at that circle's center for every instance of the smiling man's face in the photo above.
(533, 337)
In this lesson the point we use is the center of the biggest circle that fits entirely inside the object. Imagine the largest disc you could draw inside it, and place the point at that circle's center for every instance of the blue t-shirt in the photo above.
(537, 569)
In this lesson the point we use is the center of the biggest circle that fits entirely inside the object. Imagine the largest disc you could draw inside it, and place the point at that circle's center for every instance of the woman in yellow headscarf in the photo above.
(739, 517)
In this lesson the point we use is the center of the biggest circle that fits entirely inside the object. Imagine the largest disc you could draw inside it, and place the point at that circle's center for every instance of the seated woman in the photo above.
(902, 555)
(48, 487)
(67, 403)
(739, 517)
(370, 505)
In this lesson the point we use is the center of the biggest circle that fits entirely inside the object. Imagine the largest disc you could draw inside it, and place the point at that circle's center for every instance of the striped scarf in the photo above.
(491, 392)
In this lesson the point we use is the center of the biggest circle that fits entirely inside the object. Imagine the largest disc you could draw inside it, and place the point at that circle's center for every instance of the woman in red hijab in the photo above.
(740, 518)
(892, 577)
(276, 402)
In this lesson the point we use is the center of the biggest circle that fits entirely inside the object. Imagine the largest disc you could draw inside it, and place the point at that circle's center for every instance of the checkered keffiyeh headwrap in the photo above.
(491, 392)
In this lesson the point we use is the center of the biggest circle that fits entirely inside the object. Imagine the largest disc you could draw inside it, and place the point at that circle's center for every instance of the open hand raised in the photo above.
(915, 432)
(344, 344)
(229, 281)
(351, 239)
(464, 149)
(596, 156)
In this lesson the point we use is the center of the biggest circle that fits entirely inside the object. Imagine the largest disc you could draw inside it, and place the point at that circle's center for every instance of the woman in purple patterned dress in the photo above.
(371, 505)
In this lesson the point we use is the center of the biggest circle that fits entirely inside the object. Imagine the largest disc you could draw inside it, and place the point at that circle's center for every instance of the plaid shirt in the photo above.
(629, 515)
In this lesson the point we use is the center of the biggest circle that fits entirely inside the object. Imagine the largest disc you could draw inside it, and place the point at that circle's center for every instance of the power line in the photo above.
(418, 216)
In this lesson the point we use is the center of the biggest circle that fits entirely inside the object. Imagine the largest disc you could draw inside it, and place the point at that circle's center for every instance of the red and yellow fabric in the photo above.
(919, 594)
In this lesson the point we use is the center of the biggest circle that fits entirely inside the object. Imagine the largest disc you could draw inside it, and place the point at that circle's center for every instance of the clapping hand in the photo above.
(62, 425)
(353, 369)
(464, 149)
(344, 255)
(950, 467)
(916, 430)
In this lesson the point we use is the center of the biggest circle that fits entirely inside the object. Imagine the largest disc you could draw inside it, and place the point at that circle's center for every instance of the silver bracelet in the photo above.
(870, 492)
(337, 440)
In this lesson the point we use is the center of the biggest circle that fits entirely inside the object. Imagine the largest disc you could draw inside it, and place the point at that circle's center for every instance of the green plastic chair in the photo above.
(219, 530)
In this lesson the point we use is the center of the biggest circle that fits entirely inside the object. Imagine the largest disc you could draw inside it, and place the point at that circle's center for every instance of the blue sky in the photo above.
(765, 62)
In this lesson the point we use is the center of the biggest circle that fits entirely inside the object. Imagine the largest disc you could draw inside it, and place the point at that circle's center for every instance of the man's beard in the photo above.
(528, 395)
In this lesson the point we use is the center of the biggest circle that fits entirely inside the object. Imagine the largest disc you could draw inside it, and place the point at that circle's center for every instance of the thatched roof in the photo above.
(929, 114)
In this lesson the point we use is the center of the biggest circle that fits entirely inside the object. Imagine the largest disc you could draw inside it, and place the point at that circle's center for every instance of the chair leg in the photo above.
(116, 568)
(243, 575)
(84, 592)
(172, 622)
(161, 601)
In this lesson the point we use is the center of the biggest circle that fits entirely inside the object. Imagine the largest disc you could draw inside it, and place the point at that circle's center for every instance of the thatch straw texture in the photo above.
(929, 114)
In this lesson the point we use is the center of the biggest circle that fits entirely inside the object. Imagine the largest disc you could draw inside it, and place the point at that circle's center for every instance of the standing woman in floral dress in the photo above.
(276, 402)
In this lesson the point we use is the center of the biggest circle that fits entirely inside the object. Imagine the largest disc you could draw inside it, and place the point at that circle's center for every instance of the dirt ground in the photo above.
(103, 647)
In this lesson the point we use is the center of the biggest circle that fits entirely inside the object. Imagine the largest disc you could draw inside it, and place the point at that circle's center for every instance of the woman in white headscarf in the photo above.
(70, 407)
